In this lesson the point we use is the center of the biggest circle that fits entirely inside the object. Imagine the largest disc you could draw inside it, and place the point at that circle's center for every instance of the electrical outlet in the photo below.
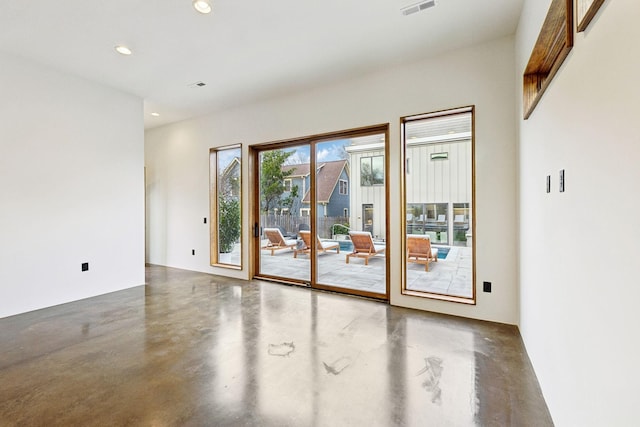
(85, 266)
(486, 287)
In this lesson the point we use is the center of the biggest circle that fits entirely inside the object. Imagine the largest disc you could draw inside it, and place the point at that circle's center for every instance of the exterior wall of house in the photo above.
(234, 171)
(439, 180)
(338, 202)
(360, 196)
(297, 202)
(446, 182)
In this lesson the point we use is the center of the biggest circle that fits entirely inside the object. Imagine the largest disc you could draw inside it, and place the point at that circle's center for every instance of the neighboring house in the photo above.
(438, 181)
(299, 178)
(230, 182)
(332, 188)
(367, 188)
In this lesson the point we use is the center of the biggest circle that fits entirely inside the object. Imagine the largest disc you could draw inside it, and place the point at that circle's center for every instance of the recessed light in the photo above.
(154, 114)
(123, 50)
(202, 6)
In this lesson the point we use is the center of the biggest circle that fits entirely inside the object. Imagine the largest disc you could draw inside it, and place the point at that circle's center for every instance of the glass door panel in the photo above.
(350, 198)
(283, 184)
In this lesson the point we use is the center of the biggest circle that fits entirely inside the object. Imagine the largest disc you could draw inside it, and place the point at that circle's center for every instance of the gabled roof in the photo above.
(232, 164)
(298, 171)
(326, 178)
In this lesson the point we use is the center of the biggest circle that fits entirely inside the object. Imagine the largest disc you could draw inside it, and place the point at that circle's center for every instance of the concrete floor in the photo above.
(191, 349)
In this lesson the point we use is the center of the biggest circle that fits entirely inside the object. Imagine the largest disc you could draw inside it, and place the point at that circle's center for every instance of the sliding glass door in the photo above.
(283, 182)
(323, 214)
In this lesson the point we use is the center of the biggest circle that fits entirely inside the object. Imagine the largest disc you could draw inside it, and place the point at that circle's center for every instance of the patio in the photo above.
(451, 275)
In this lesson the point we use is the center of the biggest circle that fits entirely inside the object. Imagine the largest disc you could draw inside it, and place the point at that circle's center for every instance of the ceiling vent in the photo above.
(197, 84)
(418, 7)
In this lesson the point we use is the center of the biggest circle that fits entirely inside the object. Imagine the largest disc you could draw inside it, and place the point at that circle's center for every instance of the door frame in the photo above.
(254, 208)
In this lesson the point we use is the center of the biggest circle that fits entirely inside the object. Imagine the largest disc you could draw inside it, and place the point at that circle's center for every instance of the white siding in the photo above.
(439, 181)
(361, 195)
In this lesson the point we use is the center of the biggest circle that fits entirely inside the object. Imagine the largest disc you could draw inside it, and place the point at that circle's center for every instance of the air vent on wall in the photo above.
(418, 7)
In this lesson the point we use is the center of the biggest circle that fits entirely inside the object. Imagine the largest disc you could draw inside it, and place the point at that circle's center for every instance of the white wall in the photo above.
(579, 249)
(72, 188)
(176, 157)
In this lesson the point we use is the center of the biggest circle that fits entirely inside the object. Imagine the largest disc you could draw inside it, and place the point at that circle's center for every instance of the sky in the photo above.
(325, 152)
(226, 156)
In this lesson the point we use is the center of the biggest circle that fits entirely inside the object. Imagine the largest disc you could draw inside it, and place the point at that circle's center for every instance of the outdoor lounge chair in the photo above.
(276, 240)
(419, 250)
(285, 234)
(363, 246)
(321, 246)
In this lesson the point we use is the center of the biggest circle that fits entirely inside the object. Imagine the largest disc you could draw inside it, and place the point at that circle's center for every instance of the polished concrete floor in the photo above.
(191, 349)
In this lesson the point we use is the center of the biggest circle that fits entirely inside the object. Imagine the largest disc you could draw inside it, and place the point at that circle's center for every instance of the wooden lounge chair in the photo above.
(363, 246)
(321, 246)
(419, 250)
(277, 241)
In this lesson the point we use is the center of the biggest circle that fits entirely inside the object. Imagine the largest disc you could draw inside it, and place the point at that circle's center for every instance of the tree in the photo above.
(272, 178)
(288, 201)
(229, 223)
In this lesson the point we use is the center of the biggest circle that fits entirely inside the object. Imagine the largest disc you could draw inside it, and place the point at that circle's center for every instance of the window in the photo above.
(438, 203)
(461, 213)
(225, 210)
(429, 219)
(343, 187)
(371, 171)
(287, 185)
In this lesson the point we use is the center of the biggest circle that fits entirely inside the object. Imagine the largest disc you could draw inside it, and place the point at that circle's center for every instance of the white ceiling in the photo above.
(245, 50)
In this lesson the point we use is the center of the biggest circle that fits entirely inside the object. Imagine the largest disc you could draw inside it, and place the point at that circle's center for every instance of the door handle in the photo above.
(256, 230)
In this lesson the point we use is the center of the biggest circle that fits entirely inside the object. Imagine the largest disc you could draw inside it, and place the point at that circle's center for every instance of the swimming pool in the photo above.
(443, 252)
(347, 246)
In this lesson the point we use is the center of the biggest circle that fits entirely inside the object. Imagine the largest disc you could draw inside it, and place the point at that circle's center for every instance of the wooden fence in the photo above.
(291, 224)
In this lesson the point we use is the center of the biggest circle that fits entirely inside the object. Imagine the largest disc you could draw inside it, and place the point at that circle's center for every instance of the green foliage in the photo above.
(228, 223)
(272, 178)
(460, 236)
(288, 201)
